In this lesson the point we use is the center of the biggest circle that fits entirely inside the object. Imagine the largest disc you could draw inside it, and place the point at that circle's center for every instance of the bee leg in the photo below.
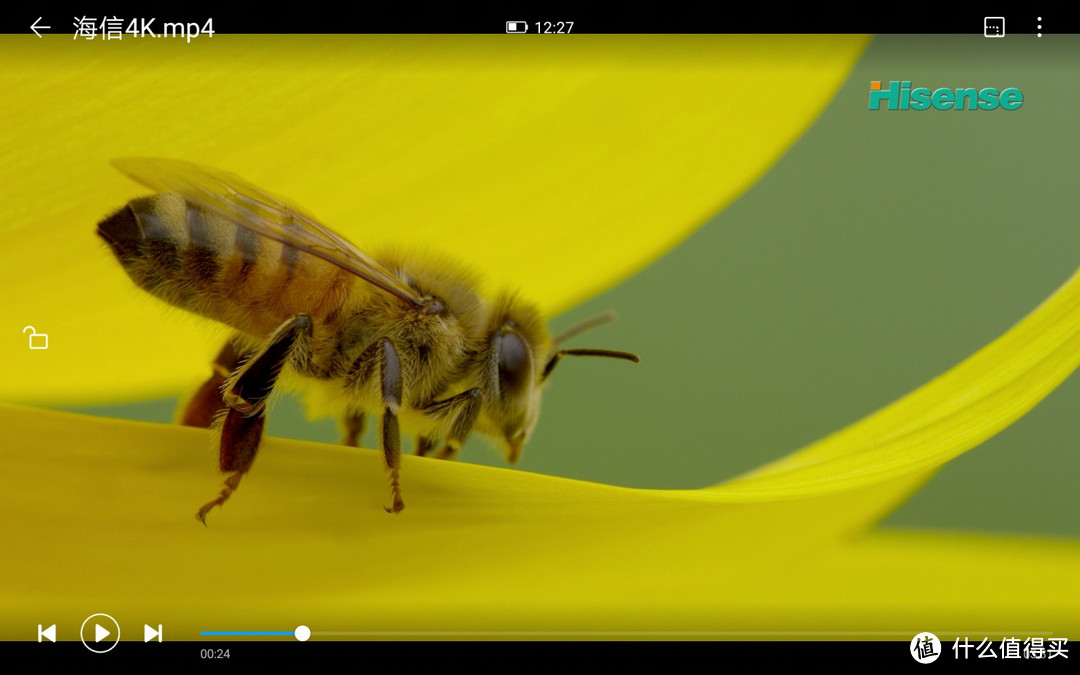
(383, 354)
(207, 402)
(448, 451)
(247, 389)
(391, 436)
(245, 394)
(240, 437)
(354, 428)
(424, 445)
(463, 409)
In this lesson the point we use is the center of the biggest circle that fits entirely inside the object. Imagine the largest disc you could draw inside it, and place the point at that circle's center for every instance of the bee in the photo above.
(409, 339)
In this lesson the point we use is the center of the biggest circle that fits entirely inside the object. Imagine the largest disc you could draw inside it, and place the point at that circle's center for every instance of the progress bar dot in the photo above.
(302, 633)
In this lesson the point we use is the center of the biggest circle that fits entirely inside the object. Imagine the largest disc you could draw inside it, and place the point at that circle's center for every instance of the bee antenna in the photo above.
(587, 324)
(557, 356)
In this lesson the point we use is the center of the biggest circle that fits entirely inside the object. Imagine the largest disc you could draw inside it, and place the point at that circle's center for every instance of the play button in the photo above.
(104, 638)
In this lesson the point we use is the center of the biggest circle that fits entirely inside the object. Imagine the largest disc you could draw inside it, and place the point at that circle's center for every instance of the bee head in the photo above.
(522, 356)
(518, 341)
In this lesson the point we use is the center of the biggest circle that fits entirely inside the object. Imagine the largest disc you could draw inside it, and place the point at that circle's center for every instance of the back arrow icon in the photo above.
(34, 26)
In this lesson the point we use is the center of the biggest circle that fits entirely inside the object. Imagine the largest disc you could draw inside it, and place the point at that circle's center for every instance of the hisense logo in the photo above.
(900, 96)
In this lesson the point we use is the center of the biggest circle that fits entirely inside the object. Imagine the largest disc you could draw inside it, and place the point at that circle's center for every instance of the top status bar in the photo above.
(459, 20)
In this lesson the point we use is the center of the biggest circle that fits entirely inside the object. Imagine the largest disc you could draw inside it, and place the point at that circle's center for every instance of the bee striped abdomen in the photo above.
(196, 260)
(151, 239)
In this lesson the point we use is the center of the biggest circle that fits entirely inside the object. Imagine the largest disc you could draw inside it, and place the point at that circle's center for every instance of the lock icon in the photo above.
(37, 340)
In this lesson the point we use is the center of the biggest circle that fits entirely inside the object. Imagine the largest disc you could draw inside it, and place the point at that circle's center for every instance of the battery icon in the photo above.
(517, 27)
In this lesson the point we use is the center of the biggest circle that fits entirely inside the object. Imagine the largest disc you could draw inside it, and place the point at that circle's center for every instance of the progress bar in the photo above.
(302, 633)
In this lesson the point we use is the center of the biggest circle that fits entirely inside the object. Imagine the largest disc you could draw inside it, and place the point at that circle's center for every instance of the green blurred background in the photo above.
(881, 250)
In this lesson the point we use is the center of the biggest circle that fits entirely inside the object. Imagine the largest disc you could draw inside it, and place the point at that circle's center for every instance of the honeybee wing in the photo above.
(250, 207)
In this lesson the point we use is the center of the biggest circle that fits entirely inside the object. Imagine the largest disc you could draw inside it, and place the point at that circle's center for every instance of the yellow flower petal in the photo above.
(102, 514)
(945, 418)
(556, 166)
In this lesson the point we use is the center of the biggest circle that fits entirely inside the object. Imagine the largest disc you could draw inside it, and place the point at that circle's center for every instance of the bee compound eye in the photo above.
(514, 361)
